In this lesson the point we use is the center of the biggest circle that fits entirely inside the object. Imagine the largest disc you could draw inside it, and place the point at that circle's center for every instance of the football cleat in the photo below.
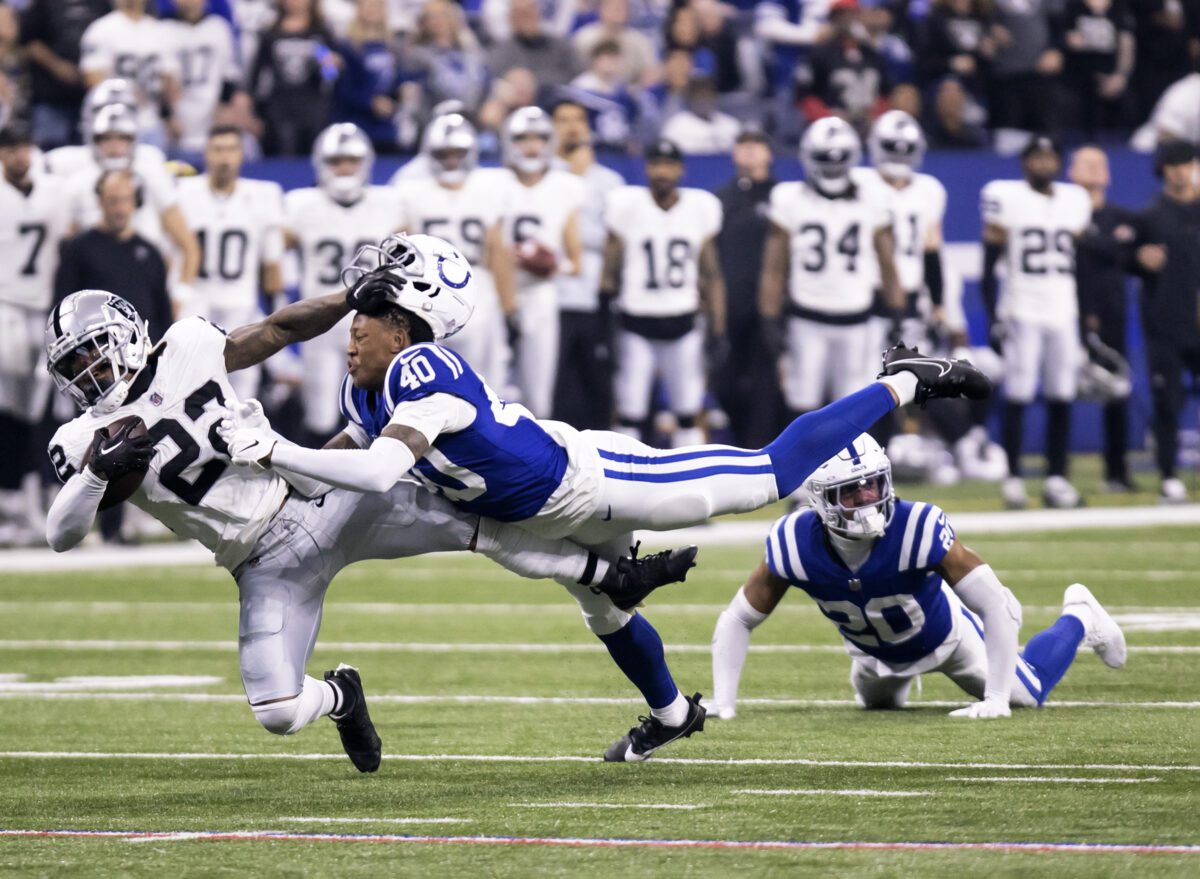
(1102, 633)
(937, 376)
(354, 725)
(1059, 494)
(1012, 490)
(1173, 491)
(650, 734)
(631, 579)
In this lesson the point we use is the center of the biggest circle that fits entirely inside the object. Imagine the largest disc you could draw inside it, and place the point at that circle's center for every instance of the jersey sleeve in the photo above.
(777, 206)
(161, 190)
(95, 54)
(421, 371)
(992, 205)
(615, 211)
(200, 338)
(713, 215)
(67, 448)
(937, 201)
(784, 547)
(882, 205)
(934, 537)
(1082, 214)
(271, 205)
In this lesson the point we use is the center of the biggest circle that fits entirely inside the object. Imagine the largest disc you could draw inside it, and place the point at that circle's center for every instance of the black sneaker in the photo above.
(643, 740)
(631, 579)
(354, 723)
(937, 376)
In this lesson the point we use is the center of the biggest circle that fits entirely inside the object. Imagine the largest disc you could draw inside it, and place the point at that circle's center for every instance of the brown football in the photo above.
(536, 258)
(121, 488)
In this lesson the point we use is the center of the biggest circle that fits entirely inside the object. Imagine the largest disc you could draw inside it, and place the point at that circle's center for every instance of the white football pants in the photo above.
(537, 349)
(678, 362)
(1033, 352)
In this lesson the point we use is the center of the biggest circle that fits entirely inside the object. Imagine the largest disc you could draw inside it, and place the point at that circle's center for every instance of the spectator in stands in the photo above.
(445, 59)
(549, 58)
(517, 88)
(210, 76)
(613, 110)
(495, 17)
(368, 90)
(957, 122)
(700, 128)
(1168, 258)
(848, 75)
(718, 35)
(1099, 58)
(1177, 114)
(51, 31)
(1025, 73)
(787, 30)
(638, 60)
(670, 96)
(955, 45)
(1163, 52)
(292, 78)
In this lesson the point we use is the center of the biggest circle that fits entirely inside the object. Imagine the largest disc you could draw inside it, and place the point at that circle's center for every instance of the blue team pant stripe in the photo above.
(675, 457)
(688, 475)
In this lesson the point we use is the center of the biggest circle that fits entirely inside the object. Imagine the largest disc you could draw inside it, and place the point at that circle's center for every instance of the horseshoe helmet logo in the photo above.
(441, 270)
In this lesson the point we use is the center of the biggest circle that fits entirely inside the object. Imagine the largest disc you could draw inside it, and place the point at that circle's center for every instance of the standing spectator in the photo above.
(786, 30)
(368, 89)
(14, 87)
(496, 24)
(130, 44)
(209, 74)
(669, 97)
(1105, 249)
(718, 35)
(292, 78)
(1168, 257)
(955, 46)
(549, 58)
(750, 393)
(583, 393)
(446, 60)
(51, 32)
(1025, 72)
(638, 62)
(616, 113)
(1161, 27)
(957, 121)
(849, 78)
(701, 129)
(1099, 61)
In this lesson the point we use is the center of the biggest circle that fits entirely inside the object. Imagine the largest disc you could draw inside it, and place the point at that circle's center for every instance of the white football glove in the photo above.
(248, 446)
(987, 709)
(248, 413)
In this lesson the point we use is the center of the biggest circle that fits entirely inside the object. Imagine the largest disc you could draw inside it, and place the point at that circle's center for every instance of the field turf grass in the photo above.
(1118, 770)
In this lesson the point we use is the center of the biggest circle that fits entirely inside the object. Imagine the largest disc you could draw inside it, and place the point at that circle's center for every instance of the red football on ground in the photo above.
(536, 258)
(121, 488)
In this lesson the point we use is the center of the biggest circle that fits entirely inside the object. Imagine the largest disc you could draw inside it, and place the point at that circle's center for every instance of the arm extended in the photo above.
(298, 322)
(731, 638)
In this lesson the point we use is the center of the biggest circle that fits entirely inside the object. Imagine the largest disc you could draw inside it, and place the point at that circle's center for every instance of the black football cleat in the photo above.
(937, 376)
(643, 740)
(354, 725)
(631, 579)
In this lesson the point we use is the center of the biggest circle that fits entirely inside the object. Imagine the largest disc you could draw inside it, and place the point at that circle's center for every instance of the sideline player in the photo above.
(1034, 223)
(661, 265)
(283, 541)
(543, 215)
(239, 225)
(412, 404)
(908, 597)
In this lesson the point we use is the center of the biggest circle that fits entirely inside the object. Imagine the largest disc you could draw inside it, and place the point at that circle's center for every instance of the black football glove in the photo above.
(114, 456)
(369, 294)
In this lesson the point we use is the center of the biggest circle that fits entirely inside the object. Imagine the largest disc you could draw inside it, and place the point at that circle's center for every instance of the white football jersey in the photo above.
(1039, 284)
(462, 216)
(917, 208)
(31, 228)
(158, 192)
(207, 59)
(191, 487)
(331, 233)
(834, 269)
(540, 213)
(237, 232)
(661, 269)
(116, 45)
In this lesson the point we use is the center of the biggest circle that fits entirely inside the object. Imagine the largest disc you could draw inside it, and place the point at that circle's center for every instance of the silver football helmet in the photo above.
(852, 491)
(343, 140)
(115, 119)
(828, 150)
(896, 144)
(96, 344)
(105, 94)
(424, 275)
(452, 147)
(528, 122)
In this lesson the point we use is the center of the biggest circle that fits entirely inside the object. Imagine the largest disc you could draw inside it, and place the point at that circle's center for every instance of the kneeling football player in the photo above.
(907, 596)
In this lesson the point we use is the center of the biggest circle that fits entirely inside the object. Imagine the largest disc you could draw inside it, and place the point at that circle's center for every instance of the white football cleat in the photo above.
(1101, 631)
(1173, 491)
(1059, 494)
(1012, 490)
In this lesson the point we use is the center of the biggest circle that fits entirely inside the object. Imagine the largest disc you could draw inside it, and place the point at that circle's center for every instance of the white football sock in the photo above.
(289, 716)
(674, 714)
(903, 385)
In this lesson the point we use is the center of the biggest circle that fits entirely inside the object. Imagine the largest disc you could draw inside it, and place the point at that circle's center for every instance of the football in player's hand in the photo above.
(124, 443)
(536, 258)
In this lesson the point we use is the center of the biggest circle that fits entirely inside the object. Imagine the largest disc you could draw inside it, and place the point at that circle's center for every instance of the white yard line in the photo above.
(567, 758)
(667, 806)
(835, 792)
(322, 820)
(1051, 779)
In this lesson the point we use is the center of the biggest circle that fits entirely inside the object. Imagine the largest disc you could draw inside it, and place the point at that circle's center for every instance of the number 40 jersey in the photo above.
(191, 487)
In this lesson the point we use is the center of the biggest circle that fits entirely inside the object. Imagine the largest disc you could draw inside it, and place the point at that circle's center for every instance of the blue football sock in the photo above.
(638, 651)
(1051, 652)
(815, 437)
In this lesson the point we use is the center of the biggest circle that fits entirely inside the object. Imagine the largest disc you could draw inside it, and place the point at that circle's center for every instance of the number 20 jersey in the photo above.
(191, 487)
(503, 465)
(892, 607)
(1039, 284)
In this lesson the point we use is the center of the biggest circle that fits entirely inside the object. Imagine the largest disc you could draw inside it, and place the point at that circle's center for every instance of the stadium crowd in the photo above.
(604, 304)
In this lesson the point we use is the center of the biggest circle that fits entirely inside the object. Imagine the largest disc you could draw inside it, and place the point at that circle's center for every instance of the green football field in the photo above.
(121, 711)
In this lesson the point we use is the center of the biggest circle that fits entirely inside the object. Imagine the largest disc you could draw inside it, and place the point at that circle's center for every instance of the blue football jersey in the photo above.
(893, 607)
(504, 465)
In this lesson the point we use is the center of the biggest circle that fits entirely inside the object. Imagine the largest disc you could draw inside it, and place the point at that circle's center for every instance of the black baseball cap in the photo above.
(1174, 152)
(664, 150)
(1041, 143)
(16, 133)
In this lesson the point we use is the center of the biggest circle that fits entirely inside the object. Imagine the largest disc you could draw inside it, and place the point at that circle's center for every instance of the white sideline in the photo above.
(591, 758)
(687, 807)
(834, 792)
(1047, 779)
(734, 532)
